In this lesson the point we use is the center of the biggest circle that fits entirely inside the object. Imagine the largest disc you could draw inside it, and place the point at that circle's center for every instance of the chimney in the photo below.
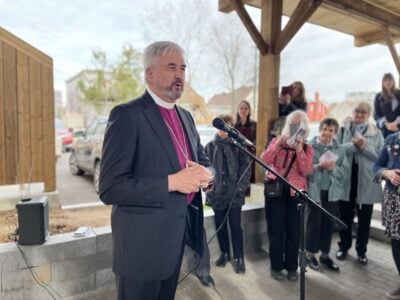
(316, 97)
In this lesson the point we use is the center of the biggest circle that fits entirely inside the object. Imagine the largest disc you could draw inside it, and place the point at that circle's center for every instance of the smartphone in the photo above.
(293, 128)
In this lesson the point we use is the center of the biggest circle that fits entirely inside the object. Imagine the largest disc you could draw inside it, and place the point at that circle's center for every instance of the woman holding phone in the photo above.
(288, 155)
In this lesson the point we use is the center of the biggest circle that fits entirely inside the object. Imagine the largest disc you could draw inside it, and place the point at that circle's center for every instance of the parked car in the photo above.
(64, 133)
(206, 133)
(86, 153)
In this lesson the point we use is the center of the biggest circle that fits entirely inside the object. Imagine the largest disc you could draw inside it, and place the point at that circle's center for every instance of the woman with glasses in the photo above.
(387, 106)
(363, 142)
(291, 157)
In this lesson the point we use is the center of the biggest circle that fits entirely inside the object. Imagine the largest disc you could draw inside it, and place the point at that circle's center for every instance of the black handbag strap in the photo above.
(290, 165)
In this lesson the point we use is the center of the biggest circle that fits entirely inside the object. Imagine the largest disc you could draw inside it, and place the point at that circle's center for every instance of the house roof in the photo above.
(226, 98)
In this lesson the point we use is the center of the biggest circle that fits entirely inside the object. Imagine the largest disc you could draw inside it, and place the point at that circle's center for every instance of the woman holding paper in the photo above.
(362, 142)
(325, 186)
(289, 156)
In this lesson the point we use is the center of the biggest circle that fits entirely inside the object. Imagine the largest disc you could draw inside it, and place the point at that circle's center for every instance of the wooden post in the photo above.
(271, 12)
(2, 124)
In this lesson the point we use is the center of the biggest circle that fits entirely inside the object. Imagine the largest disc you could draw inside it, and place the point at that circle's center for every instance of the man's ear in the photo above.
(149, 74)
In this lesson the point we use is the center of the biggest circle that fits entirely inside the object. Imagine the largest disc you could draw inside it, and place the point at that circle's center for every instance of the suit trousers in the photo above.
(347, 210)
(130, 289)
(319, 226)
(199, 264)
(234, 218)
(283, 224)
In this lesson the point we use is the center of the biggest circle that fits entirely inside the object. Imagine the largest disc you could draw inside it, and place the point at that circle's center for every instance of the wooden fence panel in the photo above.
(36, 120)
(24, 133)
(27, 137)
(2, 124)
(48, 129)
(10, 112)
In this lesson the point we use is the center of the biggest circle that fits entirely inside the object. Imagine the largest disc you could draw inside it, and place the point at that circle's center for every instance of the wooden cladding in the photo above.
(27, 134)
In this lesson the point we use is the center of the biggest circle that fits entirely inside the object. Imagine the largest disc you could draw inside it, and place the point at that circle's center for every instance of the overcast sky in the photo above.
(326, 61)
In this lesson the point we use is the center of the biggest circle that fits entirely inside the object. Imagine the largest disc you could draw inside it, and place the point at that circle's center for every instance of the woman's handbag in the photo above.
(273, 187)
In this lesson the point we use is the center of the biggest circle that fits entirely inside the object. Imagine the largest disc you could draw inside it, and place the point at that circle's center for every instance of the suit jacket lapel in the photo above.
(189, 134)
(156, 121)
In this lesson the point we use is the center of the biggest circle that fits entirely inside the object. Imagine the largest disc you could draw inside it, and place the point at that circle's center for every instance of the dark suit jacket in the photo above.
(149, 224)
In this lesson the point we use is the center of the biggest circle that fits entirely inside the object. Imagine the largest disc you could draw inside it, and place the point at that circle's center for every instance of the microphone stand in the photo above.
(302, 199)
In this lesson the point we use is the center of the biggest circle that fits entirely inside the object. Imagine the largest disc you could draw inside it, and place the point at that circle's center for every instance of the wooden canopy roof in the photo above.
(368, 21)
(362, 19)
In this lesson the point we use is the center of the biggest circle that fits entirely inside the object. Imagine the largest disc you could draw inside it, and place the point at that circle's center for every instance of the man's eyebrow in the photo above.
(174, 65)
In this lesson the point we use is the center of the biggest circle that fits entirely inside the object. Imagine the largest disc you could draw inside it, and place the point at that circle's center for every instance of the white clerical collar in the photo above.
(159, 101)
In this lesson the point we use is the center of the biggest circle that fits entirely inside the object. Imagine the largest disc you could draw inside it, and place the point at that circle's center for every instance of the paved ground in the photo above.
(353, 282)
(74, 190)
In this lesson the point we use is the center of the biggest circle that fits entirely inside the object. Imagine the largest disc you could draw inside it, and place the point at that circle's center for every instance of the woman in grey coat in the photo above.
(227, 197)
(363, 142)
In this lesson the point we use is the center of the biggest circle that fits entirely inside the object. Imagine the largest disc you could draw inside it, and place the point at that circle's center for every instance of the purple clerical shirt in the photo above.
(179, 139)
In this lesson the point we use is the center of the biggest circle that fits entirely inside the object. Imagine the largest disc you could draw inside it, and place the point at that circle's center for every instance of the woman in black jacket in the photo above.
(387, 106)
(248, 128)
(227, 197)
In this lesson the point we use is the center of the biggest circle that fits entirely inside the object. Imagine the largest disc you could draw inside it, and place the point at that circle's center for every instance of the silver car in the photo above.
(86, 153)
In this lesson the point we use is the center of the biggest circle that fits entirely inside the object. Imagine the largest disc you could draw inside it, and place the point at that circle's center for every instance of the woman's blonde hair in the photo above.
(291, 117)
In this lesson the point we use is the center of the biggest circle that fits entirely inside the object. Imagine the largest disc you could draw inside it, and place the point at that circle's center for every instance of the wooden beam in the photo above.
(392, 48)
(376, 37)
(271, 12)
(251, 28)
(367, 11)
(301, 14)
(225, 6)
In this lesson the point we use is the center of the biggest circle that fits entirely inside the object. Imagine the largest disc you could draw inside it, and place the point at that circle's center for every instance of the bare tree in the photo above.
(220, 51)
(233, 54)
(184, 22)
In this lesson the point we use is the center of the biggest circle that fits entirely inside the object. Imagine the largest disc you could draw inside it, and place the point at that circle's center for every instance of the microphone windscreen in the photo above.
(218, 123)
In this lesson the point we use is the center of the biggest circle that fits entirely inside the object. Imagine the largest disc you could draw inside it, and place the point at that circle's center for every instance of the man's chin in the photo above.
(174, 95)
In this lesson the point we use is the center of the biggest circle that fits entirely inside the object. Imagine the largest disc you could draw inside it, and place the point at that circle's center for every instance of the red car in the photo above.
(65, 134)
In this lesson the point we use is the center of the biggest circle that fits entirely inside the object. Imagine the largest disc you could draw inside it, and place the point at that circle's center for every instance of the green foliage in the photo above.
(110, 83)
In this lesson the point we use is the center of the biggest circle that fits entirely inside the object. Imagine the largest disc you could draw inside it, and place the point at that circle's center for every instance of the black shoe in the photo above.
(341, 254)
(362, 259)
(313, 263)
(292, 276)
(206, 280)
(277, 275)
(329, 263)
(223, 259)
(239, 266)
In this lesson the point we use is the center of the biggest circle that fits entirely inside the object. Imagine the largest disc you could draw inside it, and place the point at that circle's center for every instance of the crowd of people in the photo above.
(341, 169)
(154, 168)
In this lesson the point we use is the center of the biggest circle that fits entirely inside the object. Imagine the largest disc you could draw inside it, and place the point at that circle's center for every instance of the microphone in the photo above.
(232, 132)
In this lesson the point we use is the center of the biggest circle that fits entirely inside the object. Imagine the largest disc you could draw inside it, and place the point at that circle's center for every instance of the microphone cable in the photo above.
(220, 226)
